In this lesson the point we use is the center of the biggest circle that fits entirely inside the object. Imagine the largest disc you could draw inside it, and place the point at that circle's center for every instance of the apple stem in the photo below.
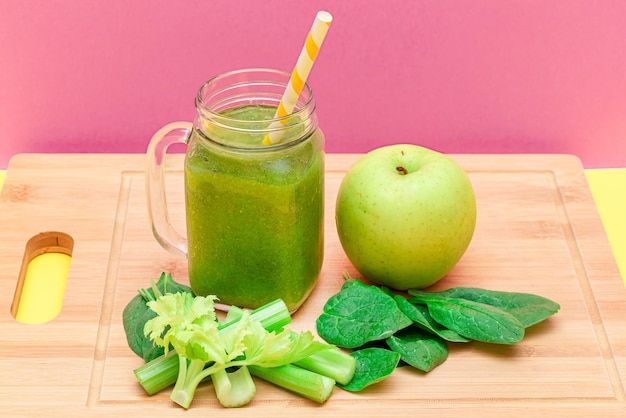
(401, 170)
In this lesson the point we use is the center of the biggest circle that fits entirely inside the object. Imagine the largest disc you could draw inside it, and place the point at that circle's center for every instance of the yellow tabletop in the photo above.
(608, 187)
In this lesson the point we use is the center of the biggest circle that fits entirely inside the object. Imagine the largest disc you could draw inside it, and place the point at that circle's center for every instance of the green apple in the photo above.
(405, 215)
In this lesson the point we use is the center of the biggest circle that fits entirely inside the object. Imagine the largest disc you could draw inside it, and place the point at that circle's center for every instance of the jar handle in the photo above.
(165, 234)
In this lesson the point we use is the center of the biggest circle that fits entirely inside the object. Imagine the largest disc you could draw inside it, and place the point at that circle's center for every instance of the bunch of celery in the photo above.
(229, 352)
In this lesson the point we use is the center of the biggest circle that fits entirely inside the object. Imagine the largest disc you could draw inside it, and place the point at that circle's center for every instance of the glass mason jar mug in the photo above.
(254, 211)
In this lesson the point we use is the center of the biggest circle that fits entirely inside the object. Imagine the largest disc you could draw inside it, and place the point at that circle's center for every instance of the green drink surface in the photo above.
(255, 219)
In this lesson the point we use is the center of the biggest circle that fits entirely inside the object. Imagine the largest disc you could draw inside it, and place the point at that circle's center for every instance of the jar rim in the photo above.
(307, 106)
(250, 86)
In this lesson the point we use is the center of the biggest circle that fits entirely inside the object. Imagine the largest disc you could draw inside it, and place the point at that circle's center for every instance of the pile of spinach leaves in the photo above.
(385, 329)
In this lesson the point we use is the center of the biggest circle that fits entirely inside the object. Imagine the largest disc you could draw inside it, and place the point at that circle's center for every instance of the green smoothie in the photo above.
(254, 217)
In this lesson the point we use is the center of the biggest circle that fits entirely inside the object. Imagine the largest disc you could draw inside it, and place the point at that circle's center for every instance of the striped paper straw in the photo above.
(300, 72)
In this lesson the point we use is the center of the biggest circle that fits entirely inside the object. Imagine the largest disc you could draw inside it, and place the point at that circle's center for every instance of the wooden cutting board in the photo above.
(538, 231)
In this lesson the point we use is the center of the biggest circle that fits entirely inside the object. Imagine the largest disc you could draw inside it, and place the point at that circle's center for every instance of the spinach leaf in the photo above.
(420, 349)
(136, 314)
(358, 314)
(421, 317)
(372, 366)
(474, 320)
(529, 309)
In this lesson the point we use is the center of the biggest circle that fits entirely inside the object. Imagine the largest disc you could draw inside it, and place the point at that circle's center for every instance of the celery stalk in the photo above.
(185, 387)
(332, 363)
(314, 379)
(162, 372)
(273, 316)
(159, 373)
(303, 382)
(234, 389)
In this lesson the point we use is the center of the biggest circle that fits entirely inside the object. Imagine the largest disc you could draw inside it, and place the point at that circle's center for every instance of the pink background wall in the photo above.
(460, 76)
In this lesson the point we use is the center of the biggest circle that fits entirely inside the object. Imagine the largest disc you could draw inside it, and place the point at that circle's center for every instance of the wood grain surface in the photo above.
(538, 231)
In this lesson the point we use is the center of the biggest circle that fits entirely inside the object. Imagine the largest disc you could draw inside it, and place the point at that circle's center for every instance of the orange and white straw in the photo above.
(300, 72)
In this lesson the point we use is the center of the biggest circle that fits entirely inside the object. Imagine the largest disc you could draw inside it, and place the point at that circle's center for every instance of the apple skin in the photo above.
(405, 215)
